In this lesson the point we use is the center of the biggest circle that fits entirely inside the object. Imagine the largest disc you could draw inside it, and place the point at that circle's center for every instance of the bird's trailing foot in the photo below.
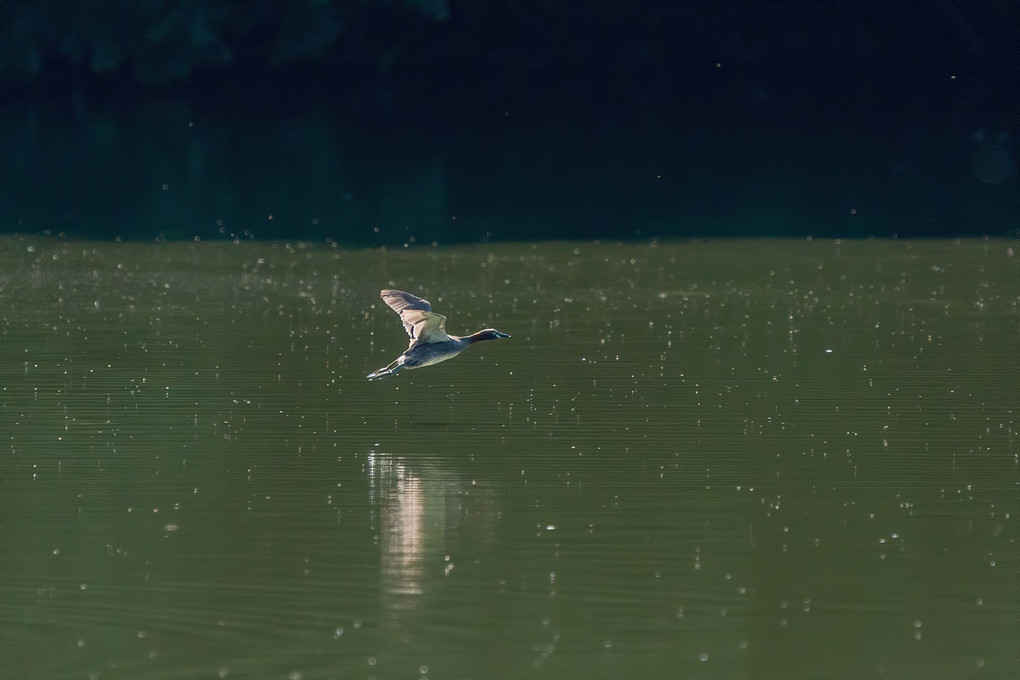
(391, 369)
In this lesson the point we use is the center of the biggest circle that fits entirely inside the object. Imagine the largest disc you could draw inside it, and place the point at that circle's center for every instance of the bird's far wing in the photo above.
(398, 301)
(424, 327)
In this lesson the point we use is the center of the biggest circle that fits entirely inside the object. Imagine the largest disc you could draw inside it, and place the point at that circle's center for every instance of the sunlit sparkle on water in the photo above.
(712, 459)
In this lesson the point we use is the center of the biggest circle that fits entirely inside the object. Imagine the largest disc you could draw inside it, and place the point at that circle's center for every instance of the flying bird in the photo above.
(430, 343)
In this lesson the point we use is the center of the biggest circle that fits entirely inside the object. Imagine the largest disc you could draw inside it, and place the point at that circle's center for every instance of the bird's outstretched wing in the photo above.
(420, 322)
(424, 327)
(398, 301)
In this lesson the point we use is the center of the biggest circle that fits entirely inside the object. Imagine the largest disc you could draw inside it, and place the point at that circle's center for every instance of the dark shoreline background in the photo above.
(383, 123)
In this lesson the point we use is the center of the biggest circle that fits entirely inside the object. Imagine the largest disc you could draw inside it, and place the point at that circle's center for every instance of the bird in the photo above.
(430, 343)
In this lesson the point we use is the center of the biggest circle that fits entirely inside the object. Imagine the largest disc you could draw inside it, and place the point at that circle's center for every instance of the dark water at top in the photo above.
(744, 164)
(722, 459)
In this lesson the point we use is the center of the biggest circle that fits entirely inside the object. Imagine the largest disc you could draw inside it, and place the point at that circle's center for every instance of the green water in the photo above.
(734, 459)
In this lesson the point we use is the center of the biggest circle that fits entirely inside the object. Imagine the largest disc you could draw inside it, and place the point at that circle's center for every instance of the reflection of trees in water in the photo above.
(447, 121)
(170, 169)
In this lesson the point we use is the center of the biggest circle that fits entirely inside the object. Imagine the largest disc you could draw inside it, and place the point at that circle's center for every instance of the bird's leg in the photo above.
(391, 369)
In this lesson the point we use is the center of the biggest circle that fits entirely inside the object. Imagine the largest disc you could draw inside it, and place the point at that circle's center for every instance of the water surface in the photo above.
(713, 459)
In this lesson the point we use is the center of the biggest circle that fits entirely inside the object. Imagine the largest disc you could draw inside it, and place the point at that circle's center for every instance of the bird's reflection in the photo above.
(401, 526)
(418, 507)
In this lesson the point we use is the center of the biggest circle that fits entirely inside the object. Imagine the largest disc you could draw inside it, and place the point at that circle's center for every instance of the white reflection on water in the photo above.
(417, 511)
(400, 513)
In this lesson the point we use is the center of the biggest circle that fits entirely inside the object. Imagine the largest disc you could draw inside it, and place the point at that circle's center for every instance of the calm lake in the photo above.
(721, 459)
